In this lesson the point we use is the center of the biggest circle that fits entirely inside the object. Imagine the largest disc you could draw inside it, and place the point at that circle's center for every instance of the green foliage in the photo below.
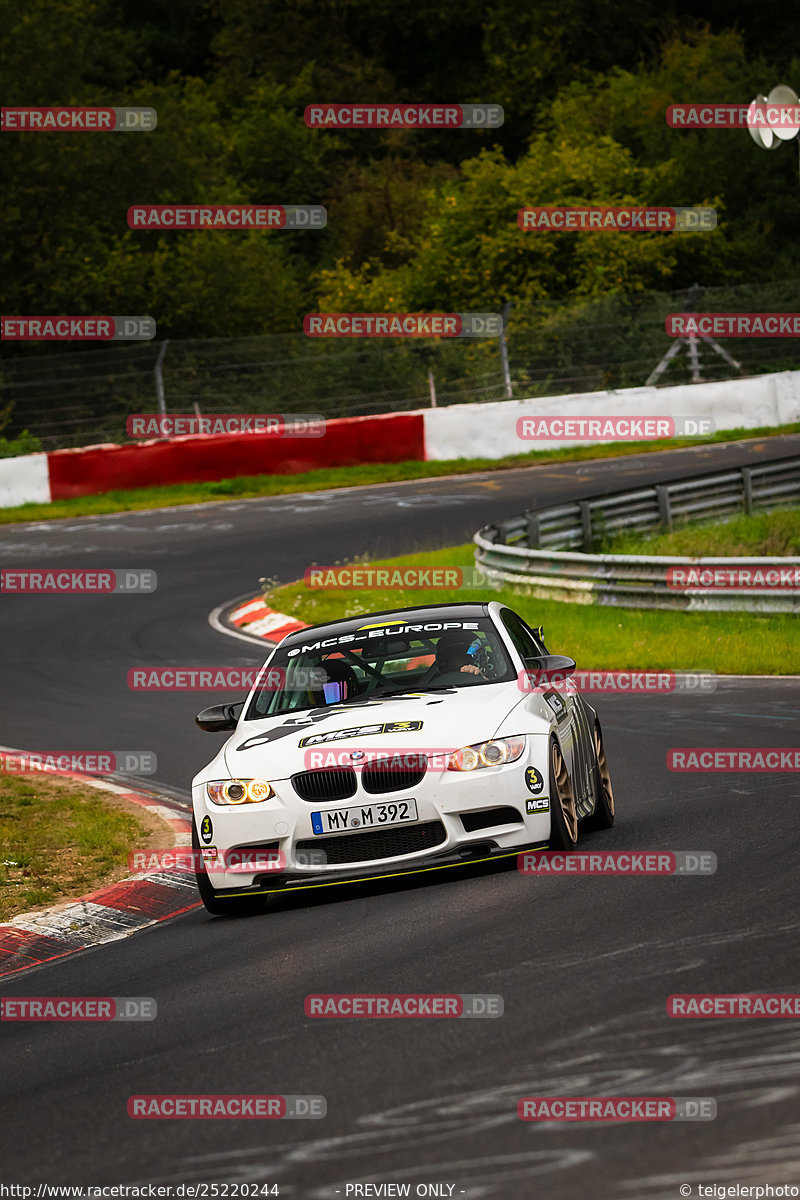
(26, 443)
(416, 220)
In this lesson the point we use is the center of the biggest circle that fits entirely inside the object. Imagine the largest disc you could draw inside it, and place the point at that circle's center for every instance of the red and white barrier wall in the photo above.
(24, 480)
(490, 430)
(62, 474)
(458, 431)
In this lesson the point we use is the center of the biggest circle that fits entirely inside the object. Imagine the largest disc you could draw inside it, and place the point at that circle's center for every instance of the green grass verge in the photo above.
(769, 535)
(594, 635)
(59, 839)
(248, 487)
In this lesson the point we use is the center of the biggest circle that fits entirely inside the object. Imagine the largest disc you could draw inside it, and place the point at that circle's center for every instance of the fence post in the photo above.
(747, 487)
(506, 309)
(162, 403)
(432, 389)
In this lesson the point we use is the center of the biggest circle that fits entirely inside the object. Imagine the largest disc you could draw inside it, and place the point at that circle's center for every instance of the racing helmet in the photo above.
(335, 681)
(456, 648)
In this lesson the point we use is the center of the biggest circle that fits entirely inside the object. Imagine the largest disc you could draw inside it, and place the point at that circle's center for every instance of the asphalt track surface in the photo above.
(584, 964)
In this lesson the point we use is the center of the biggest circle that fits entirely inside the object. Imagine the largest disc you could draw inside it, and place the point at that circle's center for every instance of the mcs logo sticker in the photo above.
(541, 805)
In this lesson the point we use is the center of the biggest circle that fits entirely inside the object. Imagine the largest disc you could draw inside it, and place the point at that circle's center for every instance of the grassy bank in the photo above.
(594, 635)
(766, 534)
(60, 839)
(248, 487)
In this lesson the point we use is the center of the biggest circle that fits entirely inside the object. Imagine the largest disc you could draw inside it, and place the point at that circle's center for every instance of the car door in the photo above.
(530, 647)
(582, 722)
(568, 709)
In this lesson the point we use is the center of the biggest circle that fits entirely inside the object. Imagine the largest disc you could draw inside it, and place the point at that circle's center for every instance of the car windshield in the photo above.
(378, 662)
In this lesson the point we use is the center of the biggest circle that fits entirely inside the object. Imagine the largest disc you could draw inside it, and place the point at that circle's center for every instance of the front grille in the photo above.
(333, 783)
(397, 774)
(488, 817)
(379, 843)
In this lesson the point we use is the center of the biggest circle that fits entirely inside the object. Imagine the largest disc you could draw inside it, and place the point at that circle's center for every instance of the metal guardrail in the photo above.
(547, 551)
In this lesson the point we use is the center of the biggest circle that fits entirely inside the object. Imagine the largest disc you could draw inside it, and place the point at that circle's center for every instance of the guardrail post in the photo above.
(664, 507)
(586, 526)
(747, 490)
(534, 532)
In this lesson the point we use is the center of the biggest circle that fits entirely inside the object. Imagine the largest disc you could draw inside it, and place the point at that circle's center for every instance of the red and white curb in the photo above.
(111, 912)
(257, 619)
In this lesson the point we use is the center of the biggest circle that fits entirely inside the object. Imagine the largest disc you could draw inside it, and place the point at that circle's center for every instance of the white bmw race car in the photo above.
(396, 741)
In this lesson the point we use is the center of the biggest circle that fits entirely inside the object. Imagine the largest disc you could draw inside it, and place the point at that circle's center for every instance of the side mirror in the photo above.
(220, 717)
(549, 667)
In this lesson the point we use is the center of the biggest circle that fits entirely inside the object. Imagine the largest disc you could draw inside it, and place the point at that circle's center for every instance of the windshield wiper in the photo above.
(382, 694)
(408, 691)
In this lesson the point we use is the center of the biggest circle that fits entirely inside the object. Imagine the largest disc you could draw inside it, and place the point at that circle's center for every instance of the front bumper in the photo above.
(461, 817)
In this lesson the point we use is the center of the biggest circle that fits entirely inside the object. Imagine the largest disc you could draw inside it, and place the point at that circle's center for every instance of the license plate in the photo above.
(363, 816)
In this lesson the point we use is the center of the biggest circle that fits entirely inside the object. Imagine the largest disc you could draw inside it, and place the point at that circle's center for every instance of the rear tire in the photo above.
(603, 815)
(220, 906)
(563, 814)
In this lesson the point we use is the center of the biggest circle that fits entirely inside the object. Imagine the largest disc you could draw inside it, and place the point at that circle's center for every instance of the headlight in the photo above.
(487, 754)
(239, 791)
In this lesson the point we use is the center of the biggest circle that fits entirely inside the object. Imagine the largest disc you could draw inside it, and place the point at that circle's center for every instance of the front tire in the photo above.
(603, 815)
(563, 814)
(220, 906)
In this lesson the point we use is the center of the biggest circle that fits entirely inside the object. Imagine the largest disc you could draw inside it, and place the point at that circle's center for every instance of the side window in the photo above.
(523, 639)
(538, 641)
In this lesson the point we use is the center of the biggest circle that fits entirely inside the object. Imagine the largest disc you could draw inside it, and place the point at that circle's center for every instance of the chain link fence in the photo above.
(83, 396)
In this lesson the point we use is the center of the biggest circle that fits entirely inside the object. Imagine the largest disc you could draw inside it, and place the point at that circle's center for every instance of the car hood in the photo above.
(422, 722)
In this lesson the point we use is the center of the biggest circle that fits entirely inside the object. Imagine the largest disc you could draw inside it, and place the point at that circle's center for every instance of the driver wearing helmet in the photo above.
(334, 681)
(456, 653)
